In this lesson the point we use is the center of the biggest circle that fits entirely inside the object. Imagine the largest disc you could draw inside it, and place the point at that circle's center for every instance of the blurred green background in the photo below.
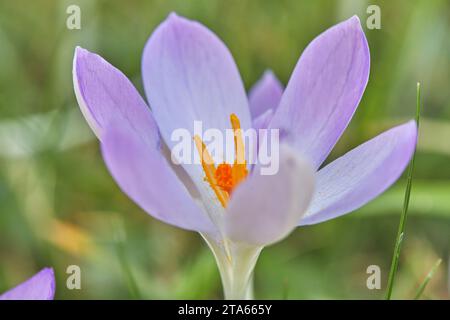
(59, 206)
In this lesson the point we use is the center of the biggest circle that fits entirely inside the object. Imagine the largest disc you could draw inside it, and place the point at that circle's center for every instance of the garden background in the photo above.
(59, 206)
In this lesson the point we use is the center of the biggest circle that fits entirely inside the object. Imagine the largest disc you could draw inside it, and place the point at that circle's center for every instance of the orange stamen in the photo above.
(224, 179)
(240, 165)
(210, 169)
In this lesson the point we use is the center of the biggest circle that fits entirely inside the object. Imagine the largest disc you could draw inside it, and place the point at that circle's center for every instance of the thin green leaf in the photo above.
(119, 246)
(427, 279)
(128, 274)
(401, 227)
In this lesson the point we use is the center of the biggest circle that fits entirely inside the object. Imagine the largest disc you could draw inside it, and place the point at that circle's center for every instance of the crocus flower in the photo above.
(39, 287)
(189, 75)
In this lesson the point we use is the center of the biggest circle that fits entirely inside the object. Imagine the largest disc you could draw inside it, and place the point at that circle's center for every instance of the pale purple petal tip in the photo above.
(362, 174)
(39, 287)
(105, 95)
(265, 94)
(190, 75)
(324, 90)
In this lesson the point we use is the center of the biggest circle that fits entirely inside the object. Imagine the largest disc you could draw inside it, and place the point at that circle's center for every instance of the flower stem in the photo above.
(236, 263)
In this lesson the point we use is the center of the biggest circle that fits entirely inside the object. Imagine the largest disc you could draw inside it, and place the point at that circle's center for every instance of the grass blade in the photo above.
(119, 239)
(427, 279)
(401, 227)
(131, 282)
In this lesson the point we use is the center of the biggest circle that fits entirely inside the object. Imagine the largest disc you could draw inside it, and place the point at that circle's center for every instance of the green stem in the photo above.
(401, 227)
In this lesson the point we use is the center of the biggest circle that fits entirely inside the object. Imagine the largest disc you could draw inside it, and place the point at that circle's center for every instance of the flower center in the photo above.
(224, 178)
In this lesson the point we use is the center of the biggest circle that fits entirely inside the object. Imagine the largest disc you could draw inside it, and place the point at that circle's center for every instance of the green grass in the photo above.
(401, 228)
(427, 279)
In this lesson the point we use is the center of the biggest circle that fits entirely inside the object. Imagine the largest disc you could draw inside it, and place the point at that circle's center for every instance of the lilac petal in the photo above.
(105, 94)
(324, 90)
(263, 120)
(362, 174)
(189, 75)
(107, 99)
(145, 176)
(266, 208)
(265, 94)
(39, 287)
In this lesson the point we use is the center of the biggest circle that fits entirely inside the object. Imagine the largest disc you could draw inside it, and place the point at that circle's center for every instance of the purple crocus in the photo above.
(189, 75)
(41, 286)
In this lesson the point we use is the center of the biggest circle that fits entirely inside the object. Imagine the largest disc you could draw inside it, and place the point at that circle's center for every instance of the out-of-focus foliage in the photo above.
(59, 206)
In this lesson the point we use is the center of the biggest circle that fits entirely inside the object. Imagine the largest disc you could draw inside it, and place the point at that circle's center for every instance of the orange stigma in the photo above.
(224, 178)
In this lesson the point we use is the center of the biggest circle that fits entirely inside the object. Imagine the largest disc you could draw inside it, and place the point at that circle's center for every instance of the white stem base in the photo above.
(236, 263)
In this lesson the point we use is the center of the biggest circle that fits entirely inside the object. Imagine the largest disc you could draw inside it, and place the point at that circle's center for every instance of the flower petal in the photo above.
(39, 287)
(263, 120)
(324, 90)
(189, 75)
(146, 177)
(265, 94)
(105, 94)
(362, 174)
(266, 208)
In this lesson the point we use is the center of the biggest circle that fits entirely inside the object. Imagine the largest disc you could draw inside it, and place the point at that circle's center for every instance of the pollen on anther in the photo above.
(224, 177)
